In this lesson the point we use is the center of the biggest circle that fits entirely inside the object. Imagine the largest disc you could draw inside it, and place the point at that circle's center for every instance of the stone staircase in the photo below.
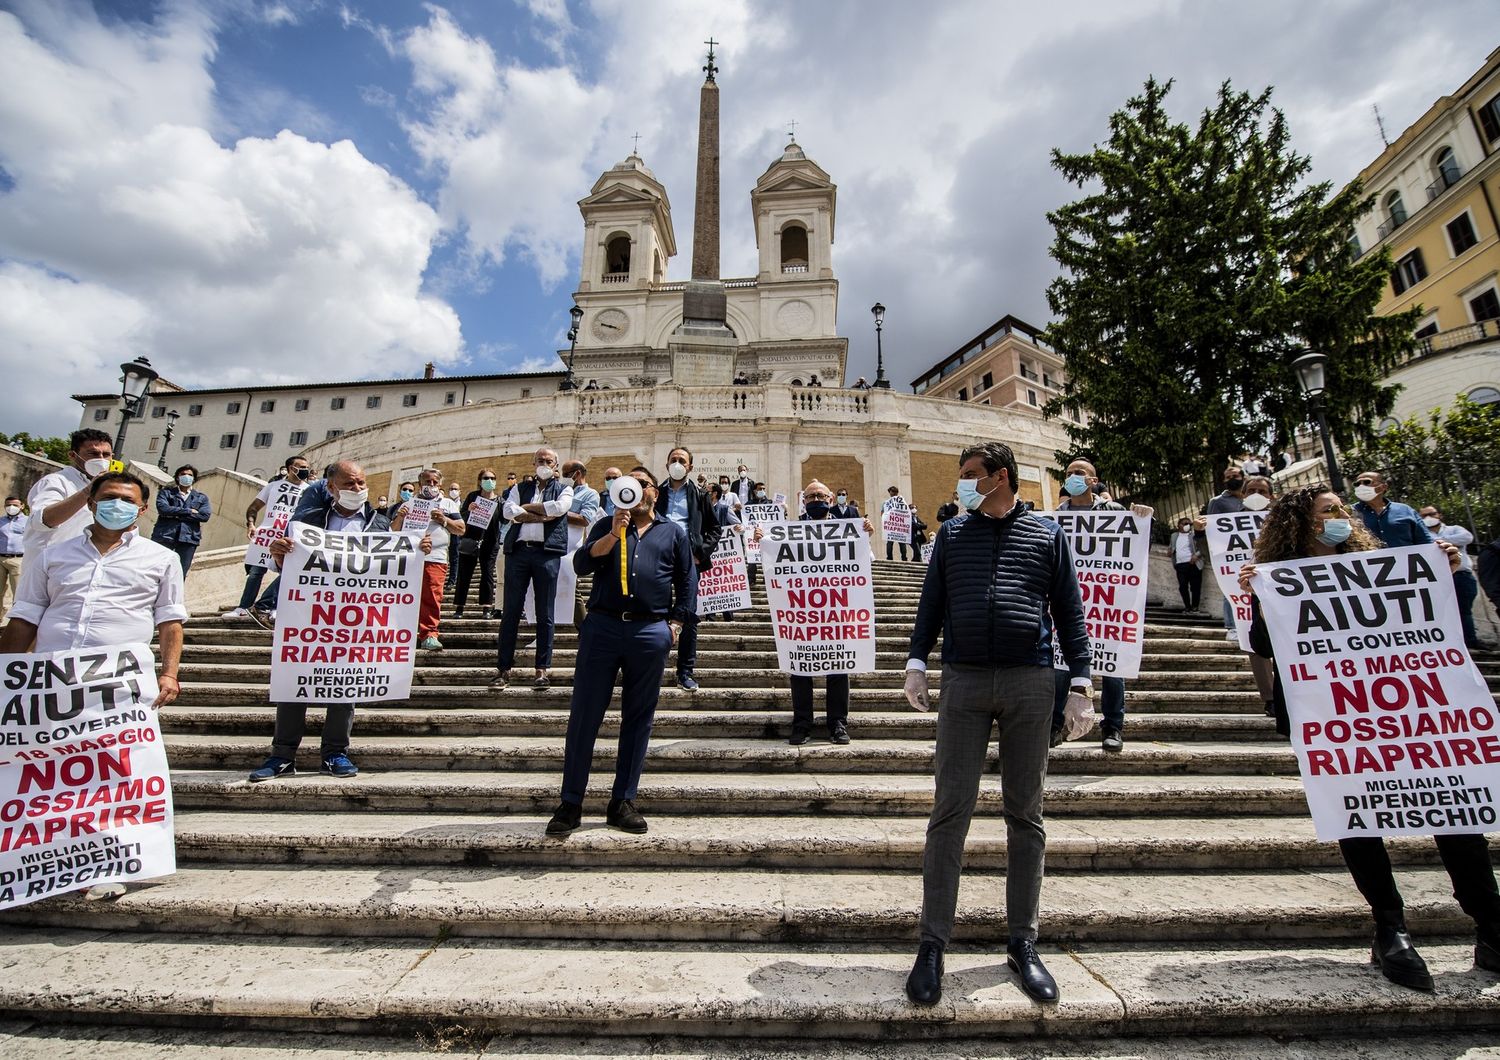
(775, 898)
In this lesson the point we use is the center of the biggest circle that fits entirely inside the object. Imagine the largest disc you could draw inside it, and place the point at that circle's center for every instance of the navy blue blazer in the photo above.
(179, 519)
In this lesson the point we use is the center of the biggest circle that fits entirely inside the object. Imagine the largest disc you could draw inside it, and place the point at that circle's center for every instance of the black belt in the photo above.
(531, 544)
(629, 616)
(11, 555)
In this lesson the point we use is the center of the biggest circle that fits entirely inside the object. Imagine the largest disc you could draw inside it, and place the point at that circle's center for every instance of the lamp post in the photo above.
(166, 441)
(138, 375)
(881, 382)
(1312, 373)
(577, 316)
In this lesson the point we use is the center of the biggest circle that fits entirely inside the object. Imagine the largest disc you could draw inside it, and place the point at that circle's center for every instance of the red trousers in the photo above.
(433, 576)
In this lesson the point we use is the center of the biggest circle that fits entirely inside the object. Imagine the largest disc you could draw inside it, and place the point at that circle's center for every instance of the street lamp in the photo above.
(1312, 373)
(570, 383)
(881, 382)
(138, 376)
(172, 416)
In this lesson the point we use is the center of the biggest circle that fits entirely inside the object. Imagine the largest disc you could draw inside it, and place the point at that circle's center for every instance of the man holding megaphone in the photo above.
(644, 592)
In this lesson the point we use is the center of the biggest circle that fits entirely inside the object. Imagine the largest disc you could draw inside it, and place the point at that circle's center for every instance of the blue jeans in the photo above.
(538, 569)
(253, 578)
(606, 646)
(1467, 587)
(1228, 615)
(1111, 701)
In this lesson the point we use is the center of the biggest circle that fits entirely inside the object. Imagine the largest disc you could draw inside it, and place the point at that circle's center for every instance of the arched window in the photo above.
(617, 256)
(1485, 395)
(794, 249)
(658, 274)
(1386, 424)
(1446, 166)
(1395, 210)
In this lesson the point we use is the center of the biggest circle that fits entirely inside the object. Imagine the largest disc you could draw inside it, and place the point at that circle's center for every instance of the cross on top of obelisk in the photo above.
(791, 134)
(636, 146)
(710, 69)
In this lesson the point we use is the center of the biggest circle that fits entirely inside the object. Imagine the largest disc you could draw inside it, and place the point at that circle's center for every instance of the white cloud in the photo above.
(266, 260)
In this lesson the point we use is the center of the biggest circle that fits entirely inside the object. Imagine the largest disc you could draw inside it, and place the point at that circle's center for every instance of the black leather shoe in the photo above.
(1487, 949)
(925, 983)
(622, 814)
(838, 733)
(798, 738)
(565, 819)
(1058, 736)
(1113, 741)
(1035, 979)
(1398, 959)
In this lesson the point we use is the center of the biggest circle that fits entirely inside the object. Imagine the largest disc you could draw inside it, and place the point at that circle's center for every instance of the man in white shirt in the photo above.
(107, 586)
(1464, 582)
(59, 502)
(535, 542)
(440, 531)
(743, 486)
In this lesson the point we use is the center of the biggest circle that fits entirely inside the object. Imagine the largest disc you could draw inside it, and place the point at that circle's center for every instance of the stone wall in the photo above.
(19, 470)
(836, 471)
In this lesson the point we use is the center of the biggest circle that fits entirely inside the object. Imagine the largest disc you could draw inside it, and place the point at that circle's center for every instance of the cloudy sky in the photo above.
(250, 191)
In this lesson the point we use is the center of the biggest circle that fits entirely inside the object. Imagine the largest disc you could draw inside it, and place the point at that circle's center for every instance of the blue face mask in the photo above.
(116, 514)
(184, 481)
(1075, 485)
(817, 509)
(1335, 531)
(969, 495)
(406, 495)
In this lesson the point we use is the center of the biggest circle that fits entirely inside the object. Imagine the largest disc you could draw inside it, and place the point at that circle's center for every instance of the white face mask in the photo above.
(453, 493)
(1256, 502)
(678, 471)
(1365, 493)
(12, 510)
(96, 467)
(351, 500)
(1432, 521)
(544, 472)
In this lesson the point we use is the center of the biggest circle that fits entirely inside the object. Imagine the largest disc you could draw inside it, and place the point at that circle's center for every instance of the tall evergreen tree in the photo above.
(1196, 266)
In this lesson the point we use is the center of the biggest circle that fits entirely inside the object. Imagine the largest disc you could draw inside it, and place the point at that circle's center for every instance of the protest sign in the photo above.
(895, 525)
(822, 596)
(1111, 555)
(482, 512)
(927, 552)
(1231, 544)
(1394, 727)
(280, 499)
(725, 586)
(346, 621)
(85, 796)
(758, 515)
(564, 599)
(419, 514)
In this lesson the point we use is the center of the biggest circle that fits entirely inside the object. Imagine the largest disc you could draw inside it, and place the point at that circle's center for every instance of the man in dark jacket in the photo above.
(181, 512)
(682, 502)
(993, 578)
(343, 506)
(535, 542)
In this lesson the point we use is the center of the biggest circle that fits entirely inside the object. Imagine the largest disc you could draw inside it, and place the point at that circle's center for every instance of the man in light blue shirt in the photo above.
(12, 530)
(586, 506)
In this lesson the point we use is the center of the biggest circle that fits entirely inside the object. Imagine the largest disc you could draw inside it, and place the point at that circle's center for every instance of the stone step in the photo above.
(515, 719)
(715, 989)
(717, 755)
(741, 905)
(828, 796)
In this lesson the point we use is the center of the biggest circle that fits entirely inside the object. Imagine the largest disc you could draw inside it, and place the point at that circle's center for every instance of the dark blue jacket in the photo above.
(317, 504)
(554, 531)
(990, 586)
(1396, 524)
(658, 563)
(179, 519)
(703, 529)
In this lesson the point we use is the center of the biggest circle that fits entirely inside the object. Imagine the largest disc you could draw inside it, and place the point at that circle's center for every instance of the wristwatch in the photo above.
(1086, 691)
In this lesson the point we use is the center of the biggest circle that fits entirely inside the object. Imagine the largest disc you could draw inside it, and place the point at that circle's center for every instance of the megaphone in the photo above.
(626, 492)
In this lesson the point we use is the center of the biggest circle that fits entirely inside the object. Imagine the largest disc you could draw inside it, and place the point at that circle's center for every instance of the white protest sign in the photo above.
(347, 617)
(567, 585)
(1394, 727)
(280, 499)
(85, 796)
(419, 514)
(1111, 555)
(822, 596)
(758, 515)
(895, 525)
(725, 586)
(927, 552)
(1231, 544)
(482, 512)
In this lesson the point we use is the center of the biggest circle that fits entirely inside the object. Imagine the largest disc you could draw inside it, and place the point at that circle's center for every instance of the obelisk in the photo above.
(703, 303)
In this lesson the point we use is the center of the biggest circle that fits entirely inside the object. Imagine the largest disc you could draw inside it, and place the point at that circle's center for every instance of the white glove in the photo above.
(1078, 716)
(916, 690)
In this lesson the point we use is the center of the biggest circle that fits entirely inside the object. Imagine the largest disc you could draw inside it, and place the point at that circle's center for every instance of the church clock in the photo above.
(610, 325)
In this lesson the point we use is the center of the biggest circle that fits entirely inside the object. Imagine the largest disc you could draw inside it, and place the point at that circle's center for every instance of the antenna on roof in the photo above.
(1380, 124)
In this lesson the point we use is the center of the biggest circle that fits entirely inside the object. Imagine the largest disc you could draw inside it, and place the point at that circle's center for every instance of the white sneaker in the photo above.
(1231, 636)
(236, 612)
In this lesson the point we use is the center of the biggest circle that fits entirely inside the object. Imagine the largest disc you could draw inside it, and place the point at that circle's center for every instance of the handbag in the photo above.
(468, 546)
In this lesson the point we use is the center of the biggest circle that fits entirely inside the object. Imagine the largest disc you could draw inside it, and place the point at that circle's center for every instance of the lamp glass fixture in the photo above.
(879, 311)
(1311, 371)
(137, 377)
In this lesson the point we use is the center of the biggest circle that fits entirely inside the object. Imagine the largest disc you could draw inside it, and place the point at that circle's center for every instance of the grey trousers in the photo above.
(972, 700)
(291, 723)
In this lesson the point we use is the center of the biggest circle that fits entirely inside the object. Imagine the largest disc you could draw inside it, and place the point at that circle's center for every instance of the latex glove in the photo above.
(1078, 716)
(916, 690)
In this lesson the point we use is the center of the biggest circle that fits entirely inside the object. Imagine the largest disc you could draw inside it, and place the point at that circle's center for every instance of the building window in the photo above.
(1489, 119)
(451, 397)
(373, 401)
(617, 257)
(333, 433)
(526, 391)
(228, 441)
(1447, 170)
(1461, 234)
(1031, 396)
(158, 411)
(408, 401)
(1484, 395)
(963, 393)
(794, 249)
(988, 380)
(268, 406)
(301, 405)
(189, 441)
(232, 408)
(1386, 424)
(1395, 211)
(1485, 307)
(1409, 271)
(336, 404)
(155, 443)
(100, 415)
(1429, 328)
(297, 438)
(195, 410)
(1355, 250)
(263, 440)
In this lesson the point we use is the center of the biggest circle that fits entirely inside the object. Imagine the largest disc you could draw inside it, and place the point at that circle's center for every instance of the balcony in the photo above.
(615, 277)
(1447, 177)
(1390, 225)
(1454, 338)
(785, 269)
